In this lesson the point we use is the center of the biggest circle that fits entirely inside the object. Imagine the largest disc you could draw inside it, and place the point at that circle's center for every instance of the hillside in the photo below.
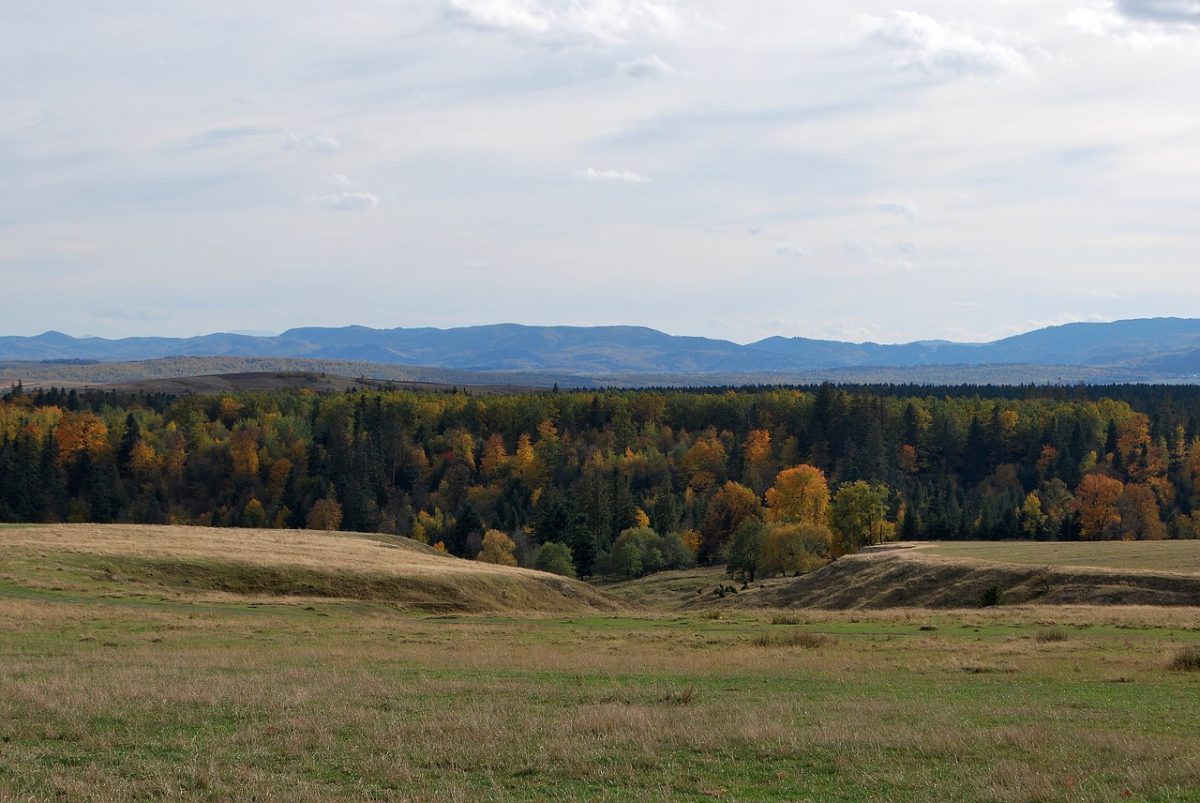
(153, 560)
(917, 578)
(951, 575)
(1134, 350)
(203, 374)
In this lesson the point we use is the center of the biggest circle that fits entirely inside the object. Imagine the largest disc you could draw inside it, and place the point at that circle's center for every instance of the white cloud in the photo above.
(1138, 24)
(922, 42)
(1168, 12)
(898, 208)
(646, 67)
(555, 22)
(626, 176)
(866, 246)
(314, 140)
(347, 200)
(793, 250)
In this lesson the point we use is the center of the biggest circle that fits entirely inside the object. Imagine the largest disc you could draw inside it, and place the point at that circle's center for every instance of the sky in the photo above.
(854, 170)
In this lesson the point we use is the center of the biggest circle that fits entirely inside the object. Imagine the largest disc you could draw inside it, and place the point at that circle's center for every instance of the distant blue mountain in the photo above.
(1167, 346)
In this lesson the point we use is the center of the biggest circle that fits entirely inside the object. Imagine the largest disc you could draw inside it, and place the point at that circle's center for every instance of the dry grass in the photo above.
(792, 638)
(279, 703)
(1187, 659)
(115, 695)
(1181, 557)
(284, 562)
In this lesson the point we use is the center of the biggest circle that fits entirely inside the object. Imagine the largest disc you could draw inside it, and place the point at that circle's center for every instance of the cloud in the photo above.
(558, 23)
(131, 314)
(1167, 12)
(346, 200)
(1108, 295)
(924, 43)
(313, 140)
(793, 250)
(898, 208)
(626, 176)
(867, 246)
(646, 67)
(1138, 23)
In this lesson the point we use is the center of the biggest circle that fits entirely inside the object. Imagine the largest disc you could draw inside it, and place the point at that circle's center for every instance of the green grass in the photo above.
(1172, 556)
(144, 677)
(108, 698)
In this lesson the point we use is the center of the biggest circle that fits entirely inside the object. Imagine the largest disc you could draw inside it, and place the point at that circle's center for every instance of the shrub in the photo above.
(991, 597)
(1187, 659)
(1050, 635)
(793, 638)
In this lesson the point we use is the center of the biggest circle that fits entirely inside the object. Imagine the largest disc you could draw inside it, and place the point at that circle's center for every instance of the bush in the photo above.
(555, 558)
(1187, 660)
(794, 638)
(1050, 635)
(992, 597)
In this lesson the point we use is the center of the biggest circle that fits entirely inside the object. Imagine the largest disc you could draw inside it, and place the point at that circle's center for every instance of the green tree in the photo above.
(858, 516)
(555, 558)
(746, 549)
(254, 514)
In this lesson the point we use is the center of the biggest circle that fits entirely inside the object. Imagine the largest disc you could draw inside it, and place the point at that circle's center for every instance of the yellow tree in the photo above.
(1096, 502)
(495, 457)
(800, 496)
(524, 463)
(795, 548)
(757, 451)
(243, 451)
(1140, 516)
(325, 514)
(79, 433)
(497, 548)
(728, 508)
(705, 461)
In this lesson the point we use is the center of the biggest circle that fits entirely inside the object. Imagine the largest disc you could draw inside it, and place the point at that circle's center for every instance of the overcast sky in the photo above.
(854, 170)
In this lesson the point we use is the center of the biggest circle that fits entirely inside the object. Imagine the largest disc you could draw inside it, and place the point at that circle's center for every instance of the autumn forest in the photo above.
(767, 481)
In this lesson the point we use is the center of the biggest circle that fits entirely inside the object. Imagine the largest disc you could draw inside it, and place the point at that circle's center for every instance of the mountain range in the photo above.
(1151, 348)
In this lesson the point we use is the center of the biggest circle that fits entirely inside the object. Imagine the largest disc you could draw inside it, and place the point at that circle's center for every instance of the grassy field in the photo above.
(126, 689)
(1158, 556)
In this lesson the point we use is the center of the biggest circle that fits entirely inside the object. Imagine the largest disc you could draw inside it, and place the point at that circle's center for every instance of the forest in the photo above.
(766, 480)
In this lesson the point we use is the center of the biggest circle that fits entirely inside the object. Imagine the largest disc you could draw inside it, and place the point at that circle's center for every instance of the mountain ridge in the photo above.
(1168, 346)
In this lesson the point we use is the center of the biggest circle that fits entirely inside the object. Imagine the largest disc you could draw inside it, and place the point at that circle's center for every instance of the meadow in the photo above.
(139, 688)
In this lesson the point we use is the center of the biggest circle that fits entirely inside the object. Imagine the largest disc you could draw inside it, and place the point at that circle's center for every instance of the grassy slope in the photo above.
(189, 560)
(954, 576)
(1158, 556)
(126, 690)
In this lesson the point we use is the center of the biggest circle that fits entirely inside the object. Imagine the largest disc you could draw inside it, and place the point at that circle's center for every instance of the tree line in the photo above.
(768, 480)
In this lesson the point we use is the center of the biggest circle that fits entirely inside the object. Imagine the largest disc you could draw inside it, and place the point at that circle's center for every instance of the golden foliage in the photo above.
(800, 495)
(326, 514)
(80, 433)
(1096, 501)
(498, 548)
